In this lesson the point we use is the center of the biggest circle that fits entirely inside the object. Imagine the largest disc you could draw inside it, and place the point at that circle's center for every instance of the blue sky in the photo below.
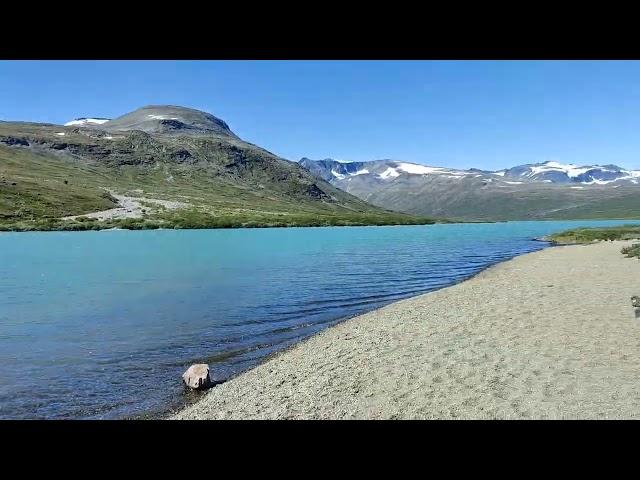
(484, 114)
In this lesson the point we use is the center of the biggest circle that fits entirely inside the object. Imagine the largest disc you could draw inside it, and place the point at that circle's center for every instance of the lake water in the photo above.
(103, 324)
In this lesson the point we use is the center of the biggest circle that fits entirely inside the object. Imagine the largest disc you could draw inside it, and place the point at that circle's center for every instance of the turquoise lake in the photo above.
(103, 324)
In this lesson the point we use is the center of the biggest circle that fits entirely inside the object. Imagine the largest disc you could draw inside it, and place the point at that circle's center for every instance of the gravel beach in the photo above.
(548, 335)
(128, 207)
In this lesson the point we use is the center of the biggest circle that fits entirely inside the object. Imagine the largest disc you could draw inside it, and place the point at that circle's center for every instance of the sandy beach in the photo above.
(548, 335)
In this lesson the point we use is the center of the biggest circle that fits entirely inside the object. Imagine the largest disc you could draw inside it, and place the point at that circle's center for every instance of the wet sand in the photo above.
(550, 334)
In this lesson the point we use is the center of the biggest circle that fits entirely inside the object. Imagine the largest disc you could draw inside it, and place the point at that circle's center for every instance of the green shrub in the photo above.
(632, 251)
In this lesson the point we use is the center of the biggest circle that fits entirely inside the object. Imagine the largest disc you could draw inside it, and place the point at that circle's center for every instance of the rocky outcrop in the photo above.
(181, 156)
(14, 141)
(314, 191)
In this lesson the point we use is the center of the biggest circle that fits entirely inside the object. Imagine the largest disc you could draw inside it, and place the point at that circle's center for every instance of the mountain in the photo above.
(161, 166)
(550, 172)
(555, 172)
(170, 120)
(548, 190)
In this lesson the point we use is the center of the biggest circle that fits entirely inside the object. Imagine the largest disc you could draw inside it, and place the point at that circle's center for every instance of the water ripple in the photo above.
(106, 322)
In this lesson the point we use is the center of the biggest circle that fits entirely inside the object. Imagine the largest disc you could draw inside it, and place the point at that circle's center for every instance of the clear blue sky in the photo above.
(458, 113)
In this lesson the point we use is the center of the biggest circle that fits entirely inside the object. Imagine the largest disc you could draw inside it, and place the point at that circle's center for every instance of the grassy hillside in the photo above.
(623, 203)
(588, 235)
(36, 186)
(223, 181)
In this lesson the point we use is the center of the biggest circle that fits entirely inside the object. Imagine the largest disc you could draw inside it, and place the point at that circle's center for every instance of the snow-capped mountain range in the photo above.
(548, 172)
(535, 191)
(556, 172)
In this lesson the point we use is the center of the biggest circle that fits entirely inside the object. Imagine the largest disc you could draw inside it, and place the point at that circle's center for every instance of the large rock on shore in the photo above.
(197, 376)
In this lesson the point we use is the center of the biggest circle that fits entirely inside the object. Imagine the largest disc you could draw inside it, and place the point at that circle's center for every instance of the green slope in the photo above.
(599, 234)
(470, 199)
(223, 181)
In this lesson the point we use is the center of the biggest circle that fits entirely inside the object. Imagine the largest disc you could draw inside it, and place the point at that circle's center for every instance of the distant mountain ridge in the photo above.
(550, 171)
(556, 172)
(533, 191)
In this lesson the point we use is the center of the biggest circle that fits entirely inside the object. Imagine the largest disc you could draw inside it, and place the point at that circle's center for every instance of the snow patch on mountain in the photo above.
(86, 121)
(415, 169)
(570, 169)
(389, 173)
(341, 176)
(418, 169)
(162, 117)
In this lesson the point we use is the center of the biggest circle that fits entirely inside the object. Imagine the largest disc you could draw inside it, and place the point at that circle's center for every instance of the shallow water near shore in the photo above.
(102, 324)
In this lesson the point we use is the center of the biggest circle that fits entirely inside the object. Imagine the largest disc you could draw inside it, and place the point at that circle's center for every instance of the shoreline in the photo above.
(88, 228)
(168, 414)
(470, 350)
(91, 227)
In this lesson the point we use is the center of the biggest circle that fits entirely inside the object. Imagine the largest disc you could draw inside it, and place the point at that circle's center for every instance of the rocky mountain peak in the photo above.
(170, 120)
